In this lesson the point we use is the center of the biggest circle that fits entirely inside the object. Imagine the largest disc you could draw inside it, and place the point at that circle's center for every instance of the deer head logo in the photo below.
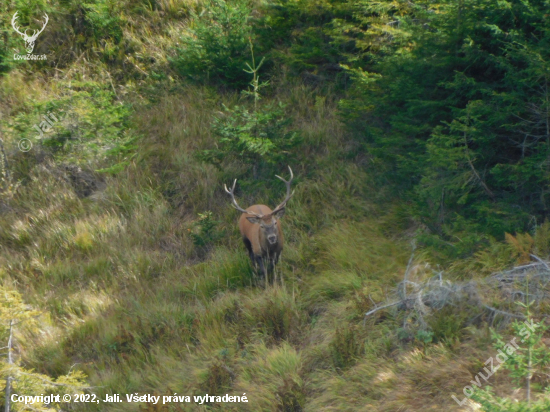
(29, 40)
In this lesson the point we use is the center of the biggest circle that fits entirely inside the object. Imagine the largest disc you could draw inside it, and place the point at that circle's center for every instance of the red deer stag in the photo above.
(261, 229)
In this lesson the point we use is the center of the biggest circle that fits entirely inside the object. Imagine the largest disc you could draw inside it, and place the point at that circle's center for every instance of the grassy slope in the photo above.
(131, 302)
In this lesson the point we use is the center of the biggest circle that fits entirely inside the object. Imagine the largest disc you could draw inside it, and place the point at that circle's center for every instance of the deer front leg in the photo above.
(262, 270)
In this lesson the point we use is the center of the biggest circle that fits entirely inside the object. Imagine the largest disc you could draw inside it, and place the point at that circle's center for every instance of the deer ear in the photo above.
(253, 219)
(279, 214)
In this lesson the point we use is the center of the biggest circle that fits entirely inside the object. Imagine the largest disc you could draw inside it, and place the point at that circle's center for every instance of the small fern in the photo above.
(522, 245)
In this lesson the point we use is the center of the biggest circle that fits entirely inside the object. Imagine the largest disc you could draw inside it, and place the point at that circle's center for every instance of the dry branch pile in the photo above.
(491, 297)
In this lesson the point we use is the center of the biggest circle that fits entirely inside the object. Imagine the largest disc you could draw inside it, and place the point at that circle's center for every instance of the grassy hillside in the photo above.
(119, 247)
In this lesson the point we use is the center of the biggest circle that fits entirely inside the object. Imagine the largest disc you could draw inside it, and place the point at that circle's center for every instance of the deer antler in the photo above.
(13, 24)
(288, 194)
(34, 32)
(235, 205)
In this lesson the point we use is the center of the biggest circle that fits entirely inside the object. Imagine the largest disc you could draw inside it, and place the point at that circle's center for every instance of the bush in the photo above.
(306, 35)
(524, 362)
(216, 47)
(206, 231)
(259, 138)
(456, 115)
(84, 123)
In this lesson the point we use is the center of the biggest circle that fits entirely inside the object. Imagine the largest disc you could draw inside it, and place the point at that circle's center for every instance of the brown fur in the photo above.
(261, 228)
(255, 240)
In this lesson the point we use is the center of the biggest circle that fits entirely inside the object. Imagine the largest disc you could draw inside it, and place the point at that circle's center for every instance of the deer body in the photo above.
(261, 230)
(261, 244)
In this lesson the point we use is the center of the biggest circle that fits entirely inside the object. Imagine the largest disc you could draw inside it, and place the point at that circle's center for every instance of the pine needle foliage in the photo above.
(215, 47)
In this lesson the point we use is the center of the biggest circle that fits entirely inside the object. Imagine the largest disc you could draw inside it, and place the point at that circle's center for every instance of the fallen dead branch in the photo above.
(495, 296)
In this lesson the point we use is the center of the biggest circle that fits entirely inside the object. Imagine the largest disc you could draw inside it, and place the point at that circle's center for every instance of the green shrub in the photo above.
(454, 113)
(256, 138)
(491, 403)
(87, 122)
(447, 325)
(305, 34)
(526, 359)
(103, 20)
(206, 231)
(216, 47)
